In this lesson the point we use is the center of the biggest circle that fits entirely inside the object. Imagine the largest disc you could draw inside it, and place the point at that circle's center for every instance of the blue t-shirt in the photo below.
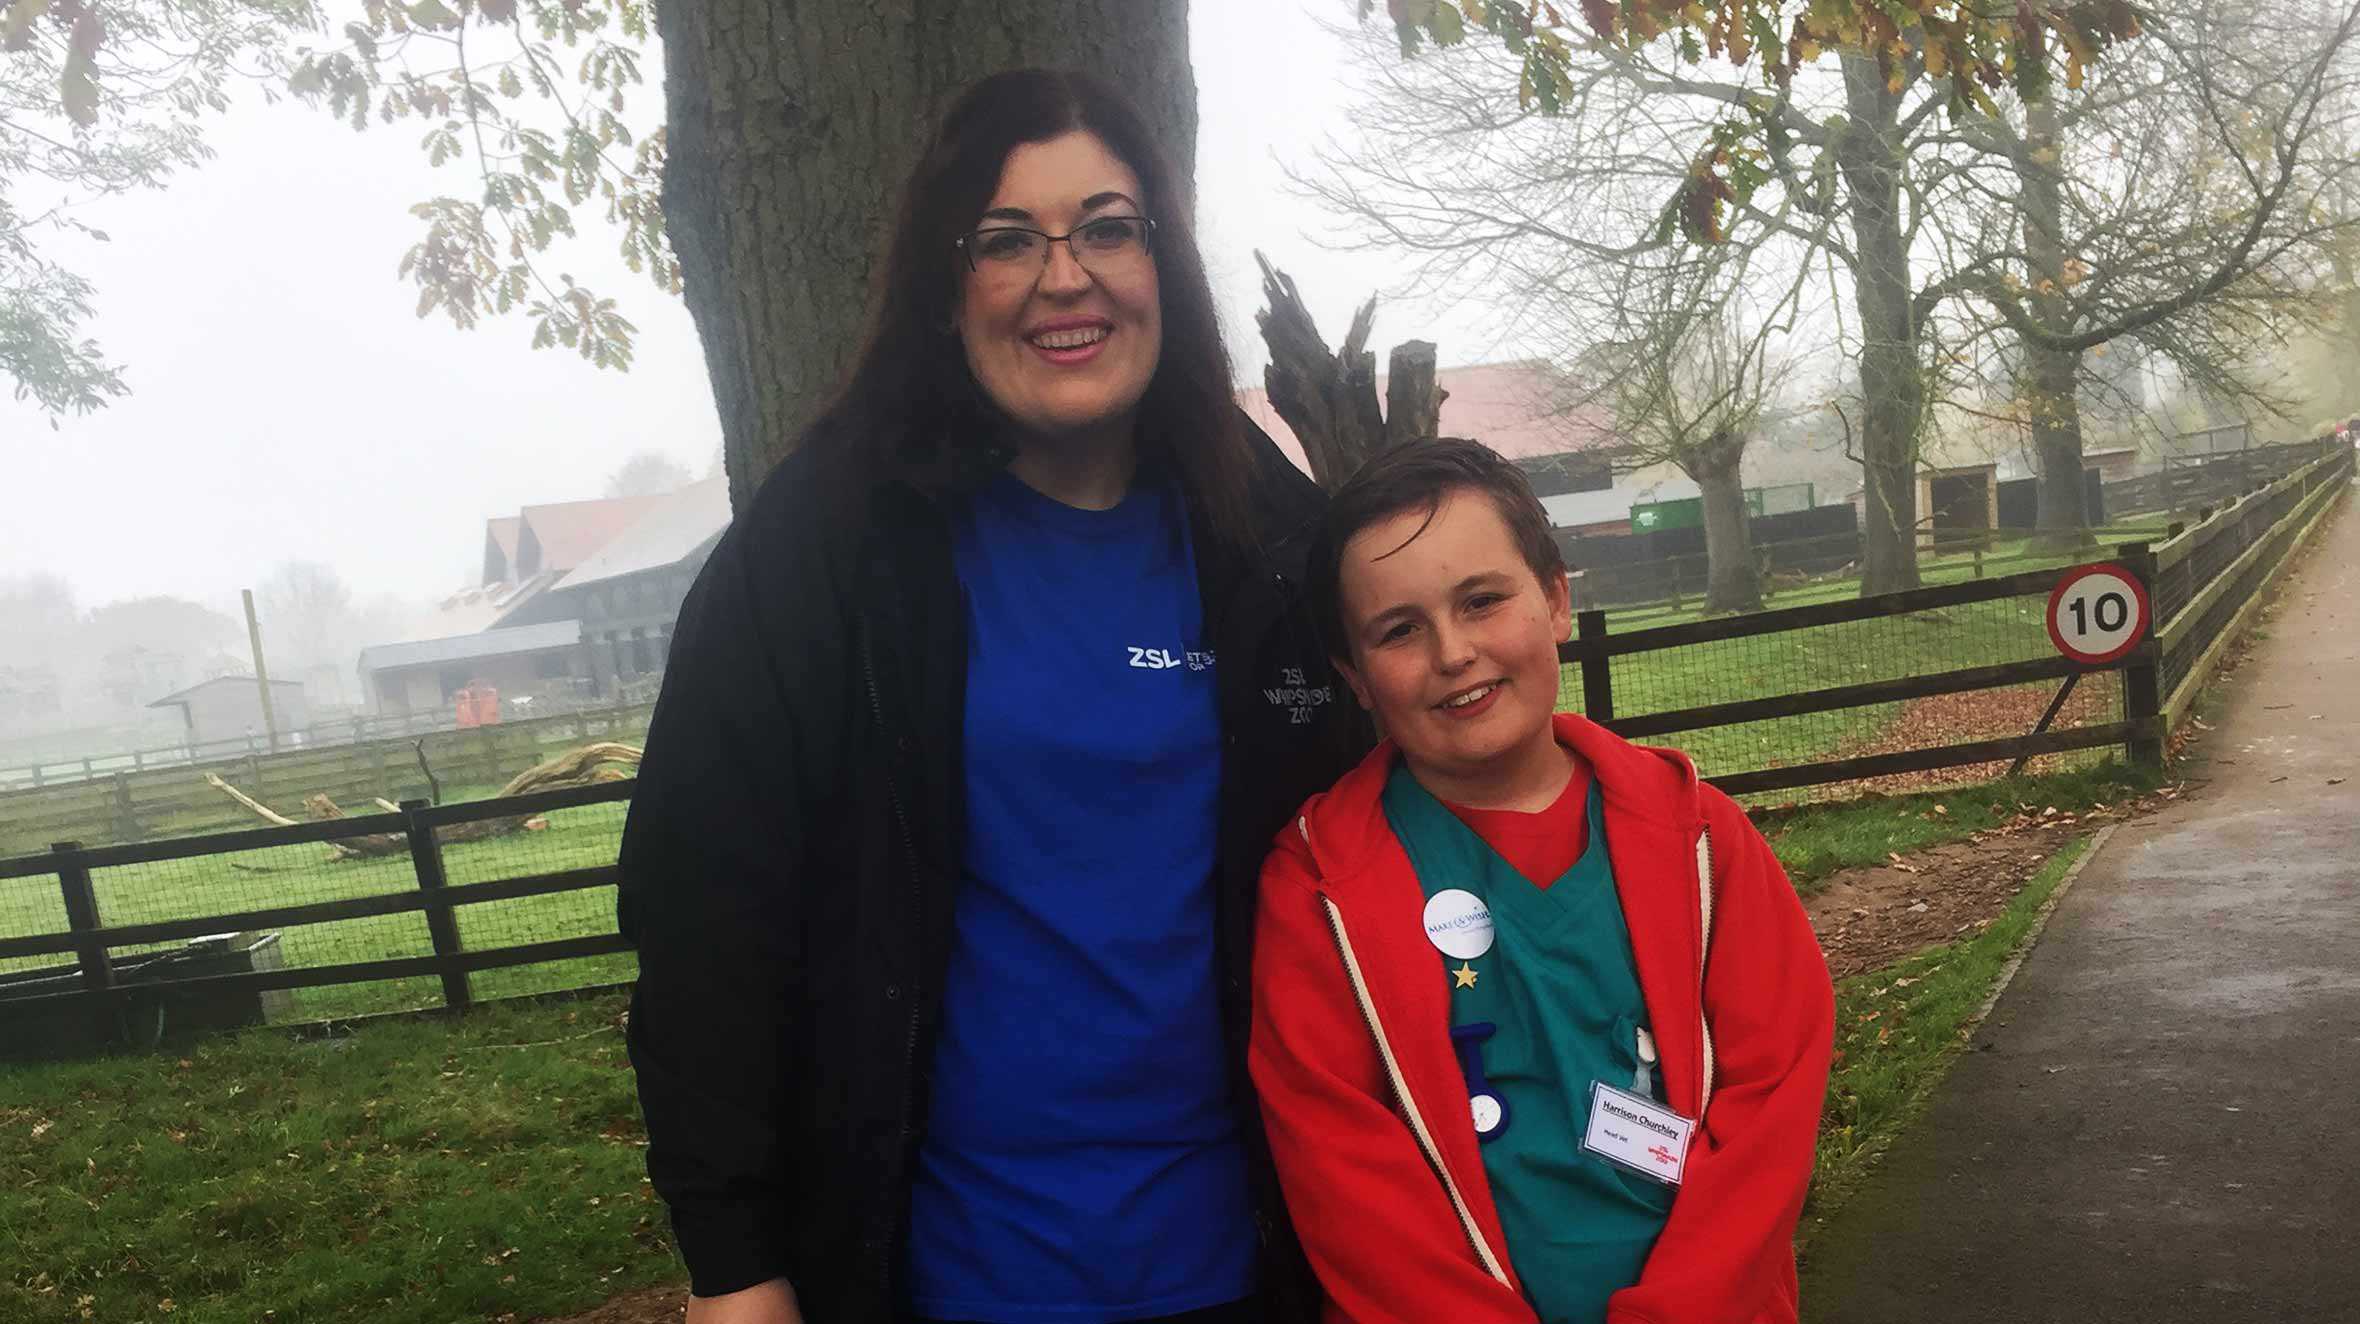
(1083, 1161)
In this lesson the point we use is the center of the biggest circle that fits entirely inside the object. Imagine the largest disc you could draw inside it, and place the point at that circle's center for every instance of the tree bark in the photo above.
(2052, 377)
(1413, 403)
(1891, 385)
(2062, 513)
(790, 130)
(1329, 399)
(1733, 581)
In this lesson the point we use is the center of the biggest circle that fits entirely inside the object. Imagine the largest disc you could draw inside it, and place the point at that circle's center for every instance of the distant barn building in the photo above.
(628, 594)
(577, 603)
(424, 675)
(228, 708)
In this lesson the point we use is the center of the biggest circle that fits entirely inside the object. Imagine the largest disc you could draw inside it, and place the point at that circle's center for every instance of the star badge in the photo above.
(1465, 974)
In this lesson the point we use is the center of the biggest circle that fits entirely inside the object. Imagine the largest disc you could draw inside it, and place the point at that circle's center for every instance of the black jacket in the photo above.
(794, 842)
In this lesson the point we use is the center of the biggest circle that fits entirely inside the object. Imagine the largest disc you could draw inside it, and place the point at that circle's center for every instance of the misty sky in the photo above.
(287, 404)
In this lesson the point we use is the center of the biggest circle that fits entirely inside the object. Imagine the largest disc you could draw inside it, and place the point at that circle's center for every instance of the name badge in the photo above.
(1637, 1133)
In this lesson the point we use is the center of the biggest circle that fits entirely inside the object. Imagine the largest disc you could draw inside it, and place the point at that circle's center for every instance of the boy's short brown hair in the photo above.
(1418, 475)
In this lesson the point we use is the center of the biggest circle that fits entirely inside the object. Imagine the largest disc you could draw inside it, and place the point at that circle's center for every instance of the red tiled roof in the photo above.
(1516, 409)
(569, 532)
(681, 522)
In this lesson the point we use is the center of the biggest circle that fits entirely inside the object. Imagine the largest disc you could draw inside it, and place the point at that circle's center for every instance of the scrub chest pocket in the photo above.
(1545, 1003)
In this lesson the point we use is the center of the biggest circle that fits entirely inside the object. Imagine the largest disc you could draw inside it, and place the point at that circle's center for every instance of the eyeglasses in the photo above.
(1102, 245)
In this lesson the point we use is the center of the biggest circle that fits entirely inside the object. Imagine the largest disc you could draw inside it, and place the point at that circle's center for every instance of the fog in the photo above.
(287, 406)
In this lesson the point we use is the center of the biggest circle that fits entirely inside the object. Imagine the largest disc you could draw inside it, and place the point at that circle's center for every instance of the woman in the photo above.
(978, 724)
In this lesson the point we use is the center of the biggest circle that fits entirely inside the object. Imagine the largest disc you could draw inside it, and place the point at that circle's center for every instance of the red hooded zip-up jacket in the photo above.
(1367, 1111)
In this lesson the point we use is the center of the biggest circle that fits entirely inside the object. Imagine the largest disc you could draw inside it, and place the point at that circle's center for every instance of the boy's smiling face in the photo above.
(1453, 643)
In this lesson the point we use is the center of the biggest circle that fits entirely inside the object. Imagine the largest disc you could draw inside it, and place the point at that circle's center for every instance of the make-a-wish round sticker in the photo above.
(1459, 924)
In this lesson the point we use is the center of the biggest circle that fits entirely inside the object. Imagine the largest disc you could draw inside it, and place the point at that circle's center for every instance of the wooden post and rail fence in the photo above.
(359, 729)
(174, 800)
(89, 940)
(2205, 582)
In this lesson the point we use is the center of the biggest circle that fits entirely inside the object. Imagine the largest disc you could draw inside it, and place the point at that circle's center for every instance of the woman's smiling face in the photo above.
(1065, 347)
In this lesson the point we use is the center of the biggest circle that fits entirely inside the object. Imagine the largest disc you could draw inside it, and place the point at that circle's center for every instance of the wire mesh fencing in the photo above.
(563, 840)
(232, 882)
(30, 907)
(2001, 635)
(222, 902)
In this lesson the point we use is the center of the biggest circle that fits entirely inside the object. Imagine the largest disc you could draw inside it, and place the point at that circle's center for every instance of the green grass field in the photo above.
(416, 1172)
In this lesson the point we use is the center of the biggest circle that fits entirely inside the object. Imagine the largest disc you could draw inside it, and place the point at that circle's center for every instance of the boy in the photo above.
(1540, 1028)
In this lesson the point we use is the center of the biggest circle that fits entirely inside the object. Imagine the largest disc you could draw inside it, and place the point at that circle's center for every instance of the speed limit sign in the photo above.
(2097, 613)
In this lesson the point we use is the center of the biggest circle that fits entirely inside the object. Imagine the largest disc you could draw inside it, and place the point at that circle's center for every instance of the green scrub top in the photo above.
(1560, 990)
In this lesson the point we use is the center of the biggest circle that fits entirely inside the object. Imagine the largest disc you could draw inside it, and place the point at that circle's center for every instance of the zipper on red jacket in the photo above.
(1704, 951)
(1401, 1096)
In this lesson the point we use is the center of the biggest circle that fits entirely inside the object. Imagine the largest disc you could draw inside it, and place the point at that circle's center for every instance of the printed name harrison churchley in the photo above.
(1614, 1109)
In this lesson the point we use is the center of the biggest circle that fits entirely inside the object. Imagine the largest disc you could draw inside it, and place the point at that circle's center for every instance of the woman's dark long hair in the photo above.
(910, 388)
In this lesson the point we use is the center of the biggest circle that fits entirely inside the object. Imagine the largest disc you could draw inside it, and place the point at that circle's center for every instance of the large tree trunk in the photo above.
(1733, 582)
(2053, 384)
(2052, 378)
(1891, 385)
(791, 128)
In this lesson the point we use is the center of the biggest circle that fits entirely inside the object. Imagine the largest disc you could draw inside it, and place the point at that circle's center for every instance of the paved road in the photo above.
(2161, 1122)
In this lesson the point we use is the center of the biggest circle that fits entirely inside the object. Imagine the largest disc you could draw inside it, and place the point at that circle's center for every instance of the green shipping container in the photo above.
(1655, 516)
(1650, 516)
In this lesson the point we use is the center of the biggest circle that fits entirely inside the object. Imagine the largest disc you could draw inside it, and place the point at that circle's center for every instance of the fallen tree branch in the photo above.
(256, 807)
(589, 765)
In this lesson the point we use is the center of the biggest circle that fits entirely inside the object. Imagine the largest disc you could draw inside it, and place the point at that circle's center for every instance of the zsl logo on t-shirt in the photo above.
(1164, 659)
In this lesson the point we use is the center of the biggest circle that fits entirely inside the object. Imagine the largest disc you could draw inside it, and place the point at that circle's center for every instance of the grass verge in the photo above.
(1814, 841)
(1896, 1031)
(414, 1173)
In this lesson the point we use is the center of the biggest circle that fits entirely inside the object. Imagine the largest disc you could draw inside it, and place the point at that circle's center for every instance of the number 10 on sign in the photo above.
(2097, 613)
